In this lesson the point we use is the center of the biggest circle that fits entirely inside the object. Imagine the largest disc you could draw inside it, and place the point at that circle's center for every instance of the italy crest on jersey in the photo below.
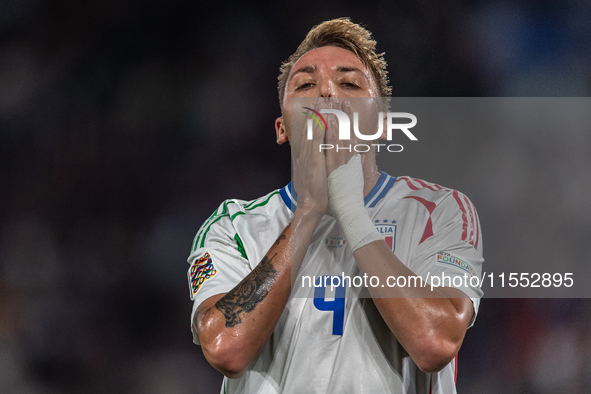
(387, 228)
(200, 271)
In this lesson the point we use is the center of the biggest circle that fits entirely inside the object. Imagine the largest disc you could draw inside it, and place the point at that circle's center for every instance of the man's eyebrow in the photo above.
(346, 69)
(313, 68)
(306, 69)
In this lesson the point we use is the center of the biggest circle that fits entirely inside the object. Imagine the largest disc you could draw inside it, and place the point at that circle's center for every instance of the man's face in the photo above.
(324, 72)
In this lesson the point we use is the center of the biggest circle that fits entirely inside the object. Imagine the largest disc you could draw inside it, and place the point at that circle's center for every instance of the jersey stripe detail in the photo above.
(240, 246)
(206, 231)
(195, 240)
(475, 222)
(248, 207)
(236, 214)
(464, 216)
(387, 186)
(212, 219)
(428, 232)
(376, 188)
(412, 186)
(381, 188)
(208, 223)
(472, 226)
(477, 228)
(285, 198)
(409, 183)
(292, 193)
(289, 197)
(251, 203)
(422, 183)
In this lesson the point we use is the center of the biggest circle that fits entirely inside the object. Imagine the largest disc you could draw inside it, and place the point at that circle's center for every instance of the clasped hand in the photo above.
(313, 166)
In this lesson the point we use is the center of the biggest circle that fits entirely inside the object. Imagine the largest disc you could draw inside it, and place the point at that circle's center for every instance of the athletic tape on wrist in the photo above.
(345, 199)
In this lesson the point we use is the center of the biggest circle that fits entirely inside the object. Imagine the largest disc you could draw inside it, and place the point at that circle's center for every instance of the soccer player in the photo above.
(338, 211)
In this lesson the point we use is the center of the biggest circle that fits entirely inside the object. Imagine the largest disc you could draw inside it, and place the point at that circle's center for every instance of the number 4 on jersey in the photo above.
(337, 306)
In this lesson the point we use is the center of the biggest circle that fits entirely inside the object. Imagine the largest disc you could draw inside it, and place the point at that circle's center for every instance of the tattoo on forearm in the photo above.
(281, 238)
(249, 293)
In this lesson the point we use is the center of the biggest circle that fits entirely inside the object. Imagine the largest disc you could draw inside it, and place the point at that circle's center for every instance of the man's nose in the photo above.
(326, 88)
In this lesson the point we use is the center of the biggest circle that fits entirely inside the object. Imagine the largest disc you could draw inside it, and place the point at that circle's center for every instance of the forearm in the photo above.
(234, 328)
(430, 325)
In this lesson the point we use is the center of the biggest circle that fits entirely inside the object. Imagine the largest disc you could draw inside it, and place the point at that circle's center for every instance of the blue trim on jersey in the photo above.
(284, 197)
(375, 189)
(387, 188)
(290, 198)
(294, 195)
(285, 193)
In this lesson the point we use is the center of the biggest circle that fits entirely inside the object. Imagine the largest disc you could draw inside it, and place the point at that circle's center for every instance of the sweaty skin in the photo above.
(234, 327)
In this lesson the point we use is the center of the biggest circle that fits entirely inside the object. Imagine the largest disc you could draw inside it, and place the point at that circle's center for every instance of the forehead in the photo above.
(329, 57)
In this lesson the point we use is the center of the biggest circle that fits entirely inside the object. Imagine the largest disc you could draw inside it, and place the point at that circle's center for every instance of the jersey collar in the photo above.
(383, 185)
(289, 196)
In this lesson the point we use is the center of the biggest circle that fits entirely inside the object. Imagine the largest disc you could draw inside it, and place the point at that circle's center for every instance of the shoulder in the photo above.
(409, 187)
(223, 220)
(447, 208)
(432, 194)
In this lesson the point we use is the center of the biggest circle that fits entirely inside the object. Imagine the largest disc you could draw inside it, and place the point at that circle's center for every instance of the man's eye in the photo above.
(305, 86)
(350, 85)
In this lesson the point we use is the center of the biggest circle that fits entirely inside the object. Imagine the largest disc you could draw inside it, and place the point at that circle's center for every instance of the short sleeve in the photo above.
(452, 255)
(217, 262)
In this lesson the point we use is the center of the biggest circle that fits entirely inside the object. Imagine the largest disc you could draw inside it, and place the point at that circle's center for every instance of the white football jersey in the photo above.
(337, 342)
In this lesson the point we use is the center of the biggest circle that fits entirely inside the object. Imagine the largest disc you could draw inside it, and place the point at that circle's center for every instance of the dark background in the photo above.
(123, 125)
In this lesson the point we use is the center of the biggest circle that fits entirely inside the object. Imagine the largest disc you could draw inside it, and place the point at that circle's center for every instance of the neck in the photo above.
(370, 174)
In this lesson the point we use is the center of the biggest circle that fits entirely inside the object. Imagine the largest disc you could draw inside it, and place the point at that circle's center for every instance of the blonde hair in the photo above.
(345, 34)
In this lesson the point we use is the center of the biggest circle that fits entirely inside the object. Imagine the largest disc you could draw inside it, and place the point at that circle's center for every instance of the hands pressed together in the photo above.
(315, 177)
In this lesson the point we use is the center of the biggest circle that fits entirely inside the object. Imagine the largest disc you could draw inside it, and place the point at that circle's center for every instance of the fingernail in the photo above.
(347, 104)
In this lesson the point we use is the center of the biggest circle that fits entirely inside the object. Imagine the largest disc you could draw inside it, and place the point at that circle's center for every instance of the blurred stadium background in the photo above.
(123, 125)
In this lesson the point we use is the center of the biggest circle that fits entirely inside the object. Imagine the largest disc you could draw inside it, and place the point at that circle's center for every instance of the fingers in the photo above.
(342, 149)
(332, 140)
(319, 135)
(346, 108)
(310, 165)
(311, 136)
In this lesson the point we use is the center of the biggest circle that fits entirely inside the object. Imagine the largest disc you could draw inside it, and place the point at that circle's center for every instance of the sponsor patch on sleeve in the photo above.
(446, 259)
(201, 270)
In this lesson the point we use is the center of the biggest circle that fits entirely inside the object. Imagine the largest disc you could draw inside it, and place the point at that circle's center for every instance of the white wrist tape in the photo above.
(345, 200)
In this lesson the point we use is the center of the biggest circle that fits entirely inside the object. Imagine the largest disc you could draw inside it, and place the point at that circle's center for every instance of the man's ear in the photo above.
(280, 131)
